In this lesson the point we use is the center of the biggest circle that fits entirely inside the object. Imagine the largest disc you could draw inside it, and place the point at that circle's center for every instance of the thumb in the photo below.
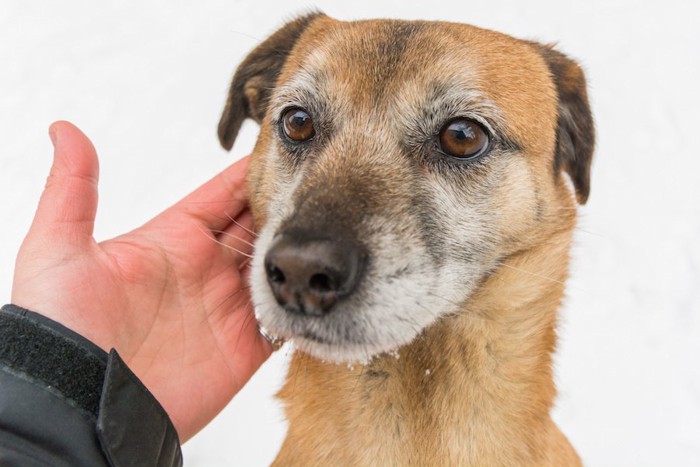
(68, 205)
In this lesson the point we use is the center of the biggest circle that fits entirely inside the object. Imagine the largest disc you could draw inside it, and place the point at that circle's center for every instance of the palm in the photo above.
(192, 330)
(171, 297)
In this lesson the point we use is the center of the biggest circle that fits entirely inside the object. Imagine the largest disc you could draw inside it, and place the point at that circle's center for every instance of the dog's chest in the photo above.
(376, 415)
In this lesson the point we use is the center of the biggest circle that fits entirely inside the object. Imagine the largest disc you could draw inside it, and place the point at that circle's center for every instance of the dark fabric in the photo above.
(38, 427)
(52, 355)
(65, 402)
(132, 426)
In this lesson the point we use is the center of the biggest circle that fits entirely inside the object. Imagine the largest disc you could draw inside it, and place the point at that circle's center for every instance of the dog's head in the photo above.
(398, 164)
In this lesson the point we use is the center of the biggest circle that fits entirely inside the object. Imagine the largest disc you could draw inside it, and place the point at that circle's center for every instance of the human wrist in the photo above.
(132, 427)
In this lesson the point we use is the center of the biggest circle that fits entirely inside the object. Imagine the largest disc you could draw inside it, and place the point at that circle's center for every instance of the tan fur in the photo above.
(484, 401)
(476, 386)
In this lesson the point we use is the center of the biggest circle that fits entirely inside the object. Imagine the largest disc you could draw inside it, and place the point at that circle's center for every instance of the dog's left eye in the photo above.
(298, 125)
(463, 138)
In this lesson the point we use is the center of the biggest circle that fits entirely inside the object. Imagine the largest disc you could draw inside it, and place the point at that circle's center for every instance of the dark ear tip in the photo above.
(227, 132)
(226, 143)
(576, 132)
(582, 181)
(581, 197)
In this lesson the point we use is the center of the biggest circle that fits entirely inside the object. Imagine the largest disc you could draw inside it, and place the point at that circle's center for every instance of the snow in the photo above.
(147, 81)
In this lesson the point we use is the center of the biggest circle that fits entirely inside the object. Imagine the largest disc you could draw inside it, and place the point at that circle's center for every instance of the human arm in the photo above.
(170, 297)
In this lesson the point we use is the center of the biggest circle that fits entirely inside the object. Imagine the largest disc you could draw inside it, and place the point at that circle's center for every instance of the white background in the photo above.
(147, 81)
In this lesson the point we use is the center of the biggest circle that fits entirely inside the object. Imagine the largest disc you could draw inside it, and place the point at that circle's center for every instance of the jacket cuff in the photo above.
(132, 427)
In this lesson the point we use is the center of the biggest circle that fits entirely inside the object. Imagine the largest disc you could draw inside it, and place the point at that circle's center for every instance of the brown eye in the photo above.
(463, 138)
(297, 125)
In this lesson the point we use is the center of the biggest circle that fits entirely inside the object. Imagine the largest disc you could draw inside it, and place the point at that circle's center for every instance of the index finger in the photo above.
(219, 200)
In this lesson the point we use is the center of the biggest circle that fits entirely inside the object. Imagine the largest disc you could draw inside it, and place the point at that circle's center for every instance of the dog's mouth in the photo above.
(341, 302)
(310, 332)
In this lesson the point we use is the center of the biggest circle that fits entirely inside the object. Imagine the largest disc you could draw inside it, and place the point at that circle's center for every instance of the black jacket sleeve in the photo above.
(66, 402)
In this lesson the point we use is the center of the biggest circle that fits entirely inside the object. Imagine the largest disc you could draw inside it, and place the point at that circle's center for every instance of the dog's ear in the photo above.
(256, 76)
(575, 132)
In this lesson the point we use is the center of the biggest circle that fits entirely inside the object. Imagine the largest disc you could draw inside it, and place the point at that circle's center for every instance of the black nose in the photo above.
(309, 275)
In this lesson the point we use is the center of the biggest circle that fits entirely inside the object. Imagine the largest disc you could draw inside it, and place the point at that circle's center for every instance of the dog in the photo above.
(414, 187)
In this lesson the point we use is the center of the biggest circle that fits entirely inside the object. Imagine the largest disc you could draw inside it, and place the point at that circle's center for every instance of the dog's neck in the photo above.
(476, 386)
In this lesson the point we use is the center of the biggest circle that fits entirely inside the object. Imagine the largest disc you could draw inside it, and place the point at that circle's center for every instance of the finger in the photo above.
(219, 200)
(68, 204)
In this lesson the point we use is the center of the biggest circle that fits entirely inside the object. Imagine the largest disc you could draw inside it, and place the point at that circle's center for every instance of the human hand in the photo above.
(171, 296)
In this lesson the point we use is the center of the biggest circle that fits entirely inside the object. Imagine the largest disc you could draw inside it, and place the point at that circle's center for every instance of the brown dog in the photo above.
(413, 213)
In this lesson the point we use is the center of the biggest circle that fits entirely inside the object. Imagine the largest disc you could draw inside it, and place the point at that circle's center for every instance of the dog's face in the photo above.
(398, 164)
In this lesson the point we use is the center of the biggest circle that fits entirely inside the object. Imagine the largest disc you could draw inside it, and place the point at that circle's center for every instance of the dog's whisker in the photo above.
(452, 302)
(231, 296)
(300, 360)
(230, 235)
(234, 221)
(212, 237)
(250, 318)
(244, 264)
(473, 316)
(534, 274)
(595, 234)
(247, 255)
(359, 377)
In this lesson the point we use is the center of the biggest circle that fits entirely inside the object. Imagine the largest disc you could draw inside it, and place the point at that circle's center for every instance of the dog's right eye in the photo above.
(298, 125)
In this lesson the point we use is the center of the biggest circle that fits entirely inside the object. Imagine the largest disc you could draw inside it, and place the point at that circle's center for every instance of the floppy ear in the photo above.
(575, 132)
(256, 76)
